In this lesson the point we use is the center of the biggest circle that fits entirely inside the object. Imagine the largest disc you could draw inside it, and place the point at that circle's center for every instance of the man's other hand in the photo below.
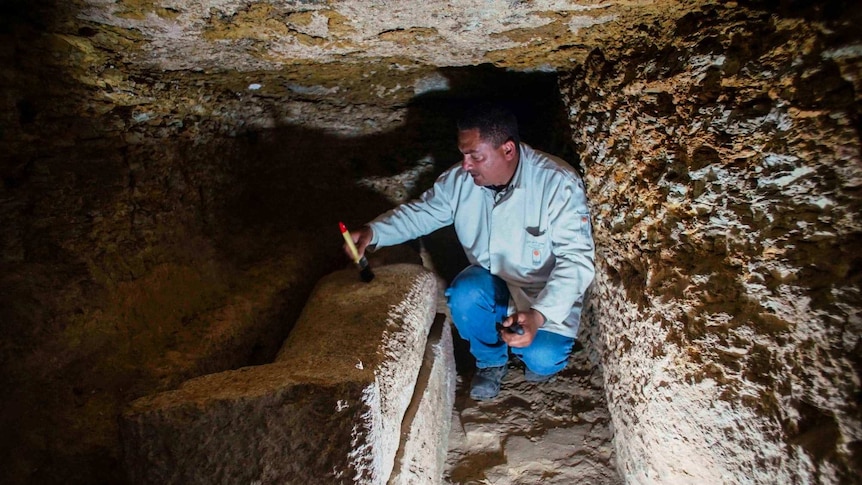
(531, 321)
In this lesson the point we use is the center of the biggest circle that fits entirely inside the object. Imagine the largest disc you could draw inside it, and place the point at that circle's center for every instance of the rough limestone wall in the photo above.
(150, 227)
(724, 171)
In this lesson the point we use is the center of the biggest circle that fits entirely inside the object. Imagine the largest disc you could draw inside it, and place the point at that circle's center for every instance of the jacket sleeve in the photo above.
(434, 209)
(574, 253)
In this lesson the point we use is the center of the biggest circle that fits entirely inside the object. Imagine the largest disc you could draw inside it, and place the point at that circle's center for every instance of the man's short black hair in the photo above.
(496, 123)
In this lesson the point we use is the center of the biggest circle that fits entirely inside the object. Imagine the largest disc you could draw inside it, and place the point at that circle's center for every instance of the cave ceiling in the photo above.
(272, 35)
(353, 42)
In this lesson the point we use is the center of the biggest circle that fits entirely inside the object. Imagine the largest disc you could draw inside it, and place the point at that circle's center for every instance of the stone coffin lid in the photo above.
(328, 410)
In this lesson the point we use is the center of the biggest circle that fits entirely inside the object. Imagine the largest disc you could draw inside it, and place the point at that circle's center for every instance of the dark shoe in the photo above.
(531, 376)
(486, 382)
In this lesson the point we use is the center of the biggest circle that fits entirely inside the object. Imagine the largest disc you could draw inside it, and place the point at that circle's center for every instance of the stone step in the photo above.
(329, 410)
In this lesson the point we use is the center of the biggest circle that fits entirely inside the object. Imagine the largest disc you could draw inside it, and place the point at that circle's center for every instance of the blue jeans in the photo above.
(478, 300)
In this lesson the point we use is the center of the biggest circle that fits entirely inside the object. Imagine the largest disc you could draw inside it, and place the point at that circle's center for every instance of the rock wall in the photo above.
(724, 171)
(158, 161)
(155, 228)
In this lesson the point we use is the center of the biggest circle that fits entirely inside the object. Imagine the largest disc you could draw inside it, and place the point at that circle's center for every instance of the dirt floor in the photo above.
(557, 432)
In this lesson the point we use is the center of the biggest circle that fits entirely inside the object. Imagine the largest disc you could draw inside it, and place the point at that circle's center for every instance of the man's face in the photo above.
(486, 164)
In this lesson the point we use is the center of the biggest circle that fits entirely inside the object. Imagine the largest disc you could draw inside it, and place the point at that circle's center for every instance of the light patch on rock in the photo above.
(584, 21)
(384, 92)
(779, 160)
(317, 27)
(430, 83)
(700, 62)
(785, 179)
(401, 187)
(845, 52)
(336, 119)
(313, 90)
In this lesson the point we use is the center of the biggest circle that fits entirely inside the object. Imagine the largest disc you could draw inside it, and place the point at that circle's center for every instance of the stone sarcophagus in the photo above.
(356, 389)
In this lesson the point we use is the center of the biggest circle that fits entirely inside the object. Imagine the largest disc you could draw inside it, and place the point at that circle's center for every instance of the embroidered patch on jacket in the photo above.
(584, 229)
(535, 248)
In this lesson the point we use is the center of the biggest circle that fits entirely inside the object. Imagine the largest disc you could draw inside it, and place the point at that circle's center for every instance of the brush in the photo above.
(365, 272)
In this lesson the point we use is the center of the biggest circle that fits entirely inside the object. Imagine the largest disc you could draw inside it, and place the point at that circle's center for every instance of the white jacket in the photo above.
(535, 234)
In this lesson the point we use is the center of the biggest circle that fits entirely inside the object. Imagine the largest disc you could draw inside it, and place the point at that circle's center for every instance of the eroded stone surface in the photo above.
(329, 408)
(257, 35)
(724, 170)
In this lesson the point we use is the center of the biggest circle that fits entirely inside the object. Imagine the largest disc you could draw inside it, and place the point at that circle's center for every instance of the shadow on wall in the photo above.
(296, 177)
(122, 240)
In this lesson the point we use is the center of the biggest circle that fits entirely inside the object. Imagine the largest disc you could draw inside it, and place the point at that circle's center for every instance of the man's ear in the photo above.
(509, 149)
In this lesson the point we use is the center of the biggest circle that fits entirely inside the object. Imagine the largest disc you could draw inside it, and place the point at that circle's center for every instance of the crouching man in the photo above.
(523, 221)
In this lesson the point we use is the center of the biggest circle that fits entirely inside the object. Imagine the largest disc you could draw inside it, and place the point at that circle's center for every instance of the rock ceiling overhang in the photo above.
(249, 35)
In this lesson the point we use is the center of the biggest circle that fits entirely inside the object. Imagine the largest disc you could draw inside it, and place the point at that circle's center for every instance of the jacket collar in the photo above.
(518, 178)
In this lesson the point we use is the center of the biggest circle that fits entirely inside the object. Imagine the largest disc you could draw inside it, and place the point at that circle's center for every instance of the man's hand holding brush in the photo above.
(355, 243)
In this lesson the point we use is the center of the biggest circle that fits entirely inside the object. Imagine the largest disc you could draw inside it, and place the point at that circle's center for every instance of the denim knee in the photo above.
(473, 288)
(476, 300)
(462, 297)
(548, 354)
